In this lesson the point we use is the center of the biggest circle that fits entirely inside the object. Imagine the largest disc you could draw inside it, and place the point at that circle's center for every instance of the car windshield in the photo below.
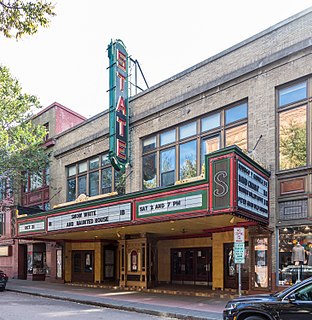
(288, 289)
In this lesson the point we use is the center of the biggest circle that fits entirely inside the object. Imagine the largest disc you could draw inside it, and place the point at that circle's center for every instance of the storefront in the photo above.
(295, 254)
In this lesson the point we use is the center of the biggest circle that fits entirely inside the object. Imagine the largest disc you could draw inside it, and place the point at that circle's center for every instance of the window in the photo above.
(179, 153)
(149, 171)
(82, 184)
(167, 167)
(236, 113)
(209, 144)
(238, 136)
(37, 183)
(71, 170)
(71, 189)
(106, 185)
(94, 183)
(82, 167)
(293, 138)
(188, 130)
(167, 137)
(37, 180)
(261, 262)
(94, 163)
(210, 122)
(188, 160)
(92, 177)
(149, 144)
(46, 126)
(293, 126)
(294, 254)
(1, 224)
(292, 94)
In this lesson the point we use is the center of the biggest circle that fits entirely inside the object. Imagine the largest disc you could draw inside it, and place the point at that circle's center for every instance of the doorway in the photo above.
(230, 268)
(83, 266)
(109, 263)
(191, 266)
(22, 261)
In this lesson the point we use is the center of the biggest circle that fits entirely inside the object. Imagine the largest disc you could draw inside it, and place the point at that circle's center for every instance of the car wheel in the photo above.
(254, 318)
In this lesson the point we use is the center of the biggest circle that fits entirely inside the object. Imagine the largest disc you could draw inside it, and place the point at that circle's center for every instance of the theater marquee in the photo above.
(118, 105)
(237, 185)
(99, 216)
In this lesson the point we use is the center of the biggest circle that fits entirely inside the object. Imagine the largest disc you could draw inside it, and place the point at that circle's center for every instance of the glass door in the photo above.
(109, 263)
(203, 274)
(83, 270)
(191, 266)
(230, 268)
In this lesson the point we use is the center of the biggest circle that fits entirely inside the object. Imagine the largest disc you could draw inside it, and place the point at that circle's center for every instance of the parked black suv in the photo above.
(293, 303)
(3, 280)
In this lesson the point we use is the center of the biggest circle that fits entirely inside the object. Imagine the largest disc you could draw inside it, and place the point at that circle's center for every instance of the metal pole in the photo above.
(239, 280)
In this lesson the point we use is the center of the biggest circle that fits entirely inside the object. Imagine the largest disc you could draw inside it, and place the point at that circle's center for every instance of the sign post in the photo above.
(239, 253)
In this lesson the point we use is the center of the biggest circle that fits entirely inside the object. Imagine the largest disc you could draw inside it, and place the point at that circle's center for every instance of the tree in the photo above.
(18, 18)
(21, 140)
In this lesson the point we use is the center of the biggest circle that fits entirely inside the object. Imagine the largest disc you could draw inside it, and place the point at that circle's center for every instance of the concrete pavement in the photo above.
(175, 306)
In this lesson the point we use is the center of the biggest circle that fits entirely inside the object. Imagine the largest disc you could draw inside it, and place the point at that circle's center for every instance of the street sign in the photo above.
(239, 235)
(239, 245)
(239, 252)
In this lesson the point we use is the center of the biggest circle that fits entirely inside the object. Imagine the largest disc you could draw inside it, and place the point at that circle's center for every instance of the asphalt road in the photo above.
(15, 306)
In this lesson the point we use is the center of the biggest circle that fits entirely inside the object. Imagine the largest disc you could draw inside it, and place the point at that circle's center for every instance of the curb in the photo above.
(116, 307)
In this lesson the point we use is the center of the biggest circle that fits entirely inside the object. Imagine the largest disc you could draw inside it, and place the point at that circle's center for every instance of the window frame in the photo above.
(103, 164)
(201, 134)
(295, 105)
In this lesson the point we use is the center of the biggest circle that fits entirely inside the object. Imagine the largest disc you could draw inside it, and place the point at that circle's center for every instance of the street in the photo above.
(15, 306)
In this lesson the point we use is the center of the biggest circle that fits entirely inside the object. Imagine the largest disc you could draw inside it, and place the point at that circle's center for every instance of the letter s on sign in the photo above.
(223, 188)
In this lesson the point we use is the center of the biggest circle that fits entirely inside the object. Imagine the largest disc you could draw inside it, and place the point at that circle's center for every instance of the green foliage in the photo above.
(19, 18)
(293, 146)
(20, 140)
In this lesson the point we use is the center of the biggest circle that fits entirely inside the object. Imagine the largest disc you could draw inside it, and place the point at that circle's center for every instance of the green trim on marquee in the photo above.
(204, 205)
(30, 223)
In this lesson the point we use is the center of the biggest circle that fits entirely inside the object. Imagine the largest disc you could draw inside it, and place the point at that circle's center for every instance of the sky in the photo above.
(67, 62)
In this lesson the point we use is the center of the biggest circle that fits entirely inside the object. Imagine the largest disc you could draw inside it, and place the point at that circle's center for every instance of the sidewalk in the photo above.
(176, 306)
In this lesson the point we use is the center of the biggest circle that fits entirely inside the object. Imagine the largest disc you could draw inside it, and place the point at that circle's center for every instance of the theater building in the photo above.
(220, 147)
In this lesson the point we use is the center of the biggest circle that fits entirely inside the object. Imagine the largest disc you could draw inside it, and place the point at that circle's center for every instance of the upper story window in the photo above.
(292, 94)
(94, 176)
(46, 125)
(36, 181)
(167, 137)
(188, 130)
(293, 111)
(178, 153)
(236, 113)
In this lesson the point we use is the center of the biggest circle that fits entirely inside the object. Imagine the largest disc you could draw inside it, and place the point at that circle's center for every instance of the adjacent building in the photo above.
(218, 174)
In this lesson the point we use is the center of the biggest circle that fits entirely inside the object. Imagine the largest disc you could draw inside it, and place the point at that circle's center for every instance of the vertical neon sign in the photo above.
(118, 105)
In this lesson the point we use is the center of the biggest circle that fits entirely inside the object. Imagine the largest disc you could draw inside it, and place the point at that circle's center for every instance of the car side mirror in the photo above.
(292, 298)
